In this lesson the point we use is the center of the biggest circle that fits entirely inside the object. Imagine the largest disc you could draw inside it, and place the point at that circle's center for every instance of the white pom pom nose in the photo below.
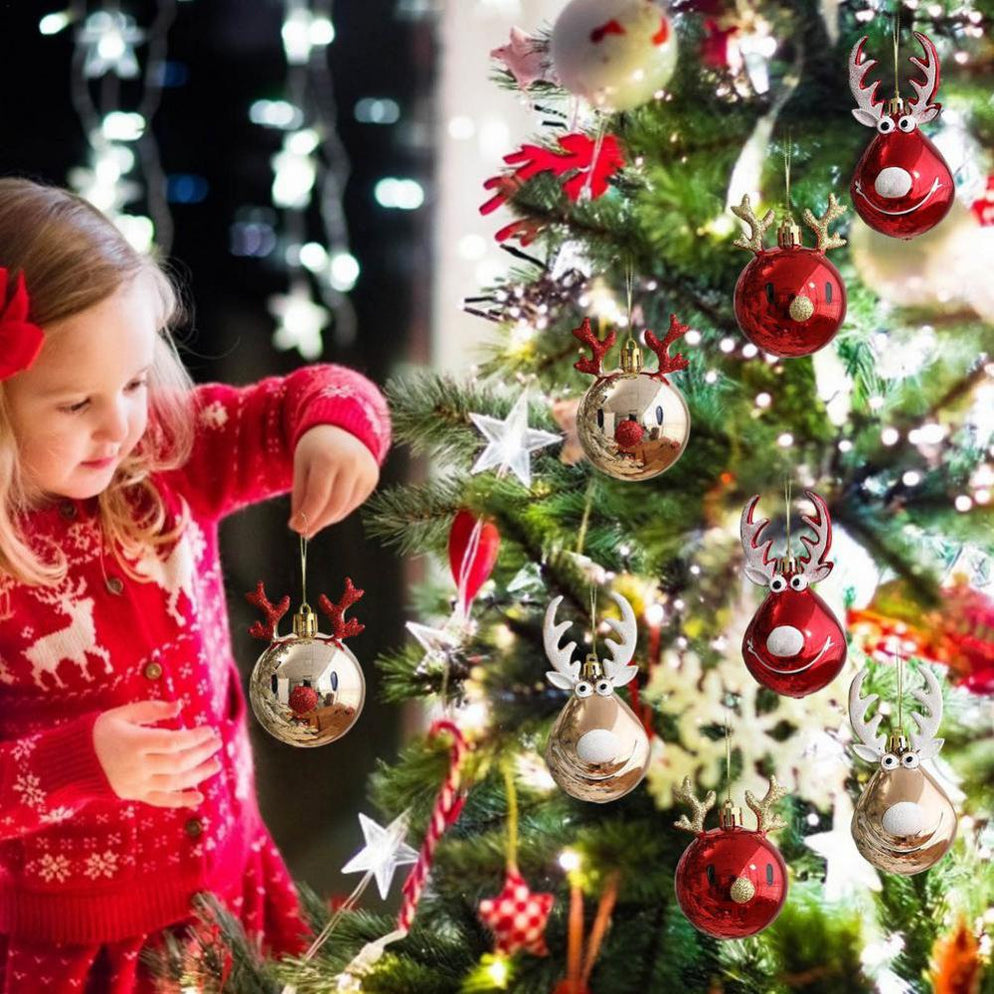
(904, 818)
(892, 182)
(785, 640)
(598, 746)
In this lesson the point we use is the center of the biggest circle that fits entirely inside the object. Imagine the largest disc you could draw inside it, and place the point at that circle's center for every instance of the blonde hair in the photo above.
(73, 257)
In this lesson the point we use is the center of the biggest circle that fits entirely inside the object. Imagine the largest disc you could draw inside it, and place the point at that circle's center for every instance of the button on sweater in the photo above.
(77, 863)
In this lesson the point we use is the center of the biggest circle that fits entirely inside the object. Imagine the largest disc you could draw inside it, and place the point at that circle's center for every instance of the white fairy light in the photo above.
(52, 24)
(300, 321)
(890, 436)
(786, 440)
(963, 503)
(343, 271)
(763, 400)
(570, 860)
(912, 478)
(110, 38)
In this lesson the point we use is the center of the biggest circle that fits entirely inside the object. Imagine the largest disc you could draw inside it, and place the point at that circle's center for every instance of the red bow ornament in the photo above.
(20, 340)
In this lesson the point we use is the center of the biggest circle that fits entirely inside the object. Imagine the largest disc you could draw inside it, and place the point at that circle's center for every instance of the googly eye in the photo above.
(605, 688)
(889, 761)
(778, 584)
(910, 761)
(907, 124)
(798, 582)
(583, 689)
(885, 125)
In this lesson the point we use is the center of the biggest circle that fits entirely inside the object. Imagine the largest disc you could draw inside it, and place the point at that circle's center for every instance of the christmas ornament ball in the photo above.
(307, 690)
(790, 301)
(632, 426)
(615, 53)
(731, 882)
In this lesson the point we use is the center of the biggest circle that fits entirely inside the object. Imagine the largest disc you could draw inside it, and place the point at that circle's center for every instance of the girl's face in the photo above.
(83, 405)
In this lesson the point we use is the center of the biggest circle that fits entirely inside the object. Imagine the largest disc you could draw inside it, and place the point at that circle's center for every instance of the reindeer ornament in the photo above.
(597, 749)
(731, 882)
(790, 300)
(794, 643)
(904, 822)
(307, 689)
(902, 186)
(633, 424)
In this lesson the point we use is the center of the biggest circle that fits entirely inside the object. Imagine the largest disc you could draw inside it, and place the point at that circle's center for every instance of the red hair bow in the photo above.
(20, 340)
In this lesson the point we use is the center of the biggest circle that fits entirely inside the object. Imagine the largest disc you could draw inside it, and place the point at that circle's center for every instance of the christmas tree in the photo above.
(544, 486)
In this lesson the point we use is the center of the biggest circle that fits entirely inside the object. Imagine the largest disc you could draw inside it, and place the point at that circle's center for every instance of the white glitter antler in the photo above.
(565, 672)
(923, 109)
(759, 567)
(923, 739)
(868, 110)
(873, 743)
(616, 669)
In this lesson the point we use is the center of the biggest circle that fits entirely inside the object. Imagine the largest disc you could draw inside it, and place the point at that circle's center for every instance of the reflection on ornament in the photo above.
(790, 300)
(307, 689)
(597, 749)
(511, 442)
(794, 644)
(902, 185)
(731, 882)
(904, 822)
(615, 53)
(632, 424)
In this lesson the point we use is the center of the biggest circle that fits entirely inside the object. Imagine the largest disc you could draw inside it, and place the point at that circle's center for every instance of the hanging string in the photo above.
(787, 485)
(728, 754)
(629, 286)
(788, 150)
(585, 193)
(303, 564)
(593, 620)
(897, 51)
(512, 819)
(581, 538)
(900, 691)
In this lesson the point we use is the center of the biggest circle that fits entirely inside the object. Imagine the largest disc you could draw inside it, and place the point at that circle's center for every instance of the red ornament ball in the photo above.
(303, 700)
(790, 301)
(731, 882)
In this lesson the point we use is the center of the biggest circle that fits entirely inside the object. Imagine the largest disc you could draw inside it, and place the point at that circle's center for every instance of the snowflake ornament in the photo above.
(517, 917)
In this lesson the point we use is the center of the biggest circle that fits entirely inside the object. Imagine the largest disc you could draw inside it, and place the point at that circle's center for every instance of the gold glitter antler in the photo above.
(819, 225)
(686, 794)
(757, 226)
(767, 820)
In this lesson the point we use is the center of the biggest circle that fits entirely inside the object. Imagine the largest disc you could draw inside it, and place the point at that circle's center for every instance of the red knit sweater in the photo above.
(78, 864)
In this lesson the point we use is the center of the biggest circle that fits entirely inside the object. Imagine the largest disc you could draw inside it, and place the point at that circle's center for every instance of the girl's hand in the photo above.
(333, 473)
(156, 765)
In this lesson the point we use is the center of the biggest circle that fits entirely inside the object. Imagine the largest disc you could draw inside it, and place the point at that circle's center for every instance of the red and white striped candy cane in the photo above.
(447, 807)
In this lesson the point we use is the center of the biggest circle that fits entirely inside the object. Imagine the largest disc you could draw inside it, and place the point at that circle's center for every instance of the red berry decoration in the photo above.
(794, 644)
(790, 300)
(303, 700)
(731, 882)
(902, 186)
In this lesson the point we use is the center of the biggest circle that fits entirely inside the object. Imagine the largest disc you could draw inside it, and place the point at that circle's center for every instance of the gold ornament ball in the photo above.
(632, 426)
(904, 822)
(598, 749)
(307, 691)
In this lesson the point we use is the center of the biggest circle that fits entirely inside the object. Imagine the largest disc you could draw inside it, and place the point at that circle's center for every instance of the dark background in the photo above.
(224, 54)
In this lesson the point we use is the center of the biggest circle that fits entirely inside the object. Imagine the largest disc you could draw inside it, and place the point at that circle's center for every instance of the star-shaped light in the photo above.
(384, 851)
(436, 642)
(110, 38)
(511, 442)
(517, 917)
(846, 871)
(301, 321)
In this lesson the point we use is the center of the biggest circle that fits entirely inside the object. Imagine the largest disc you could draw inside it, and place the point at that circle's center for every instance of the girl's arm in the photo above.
(246, 436)
(46, 778)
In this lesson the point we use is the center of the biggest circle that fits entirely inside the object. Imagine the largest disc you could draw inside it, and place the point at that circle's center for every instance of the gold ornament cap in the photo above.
(305, 622)
(591, 669)
(631, 357)
(789, 233)
(730, 816)
(894, 107)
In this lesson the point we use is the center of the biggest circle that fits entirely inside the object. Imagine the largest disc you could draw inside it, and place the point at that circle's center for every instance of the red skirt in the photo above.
(267, 908)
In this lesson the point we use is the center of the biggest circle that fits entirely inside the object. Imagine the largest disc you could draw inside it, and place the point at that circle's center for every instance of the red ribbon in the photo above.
(20, 340)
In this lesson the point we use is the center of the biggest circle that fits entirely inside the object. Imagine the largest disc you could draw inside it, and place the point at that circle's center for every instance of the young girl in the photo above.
(126, 784)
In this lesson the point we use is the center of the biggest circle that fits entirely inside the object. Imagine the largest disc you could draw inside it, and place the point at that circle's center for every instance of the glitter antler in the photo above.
(685, 793)
(819, 225)
(923, 109)
(586, 335)
(273, 613)
(668, 363)
(757, 226)
(340, 628)
(868, 109)
(767, 820)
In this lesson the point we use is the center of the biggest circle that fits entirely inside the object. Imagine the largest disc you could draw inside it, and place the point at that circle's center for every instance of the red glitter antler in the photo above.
(586, 336)
(273, 613)
(340, 628)
(668, 363)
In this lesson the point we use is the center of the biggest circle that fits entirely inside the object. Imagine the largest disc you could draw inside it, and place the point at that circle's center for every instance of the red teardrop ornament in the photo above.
(474, 565)
(902, 186)
(731, 882)
(794, 644)
(790, 301)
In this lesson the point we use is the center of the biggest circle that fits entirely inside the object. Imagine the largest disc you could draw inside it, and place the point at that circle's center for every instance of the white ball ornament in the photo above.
(615, 53)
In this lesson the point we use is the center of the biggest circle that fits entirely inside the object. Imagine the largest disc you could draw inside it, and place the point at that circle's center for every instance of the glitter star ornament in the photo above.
(384, 851)
(511, 442)
(517, 917)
